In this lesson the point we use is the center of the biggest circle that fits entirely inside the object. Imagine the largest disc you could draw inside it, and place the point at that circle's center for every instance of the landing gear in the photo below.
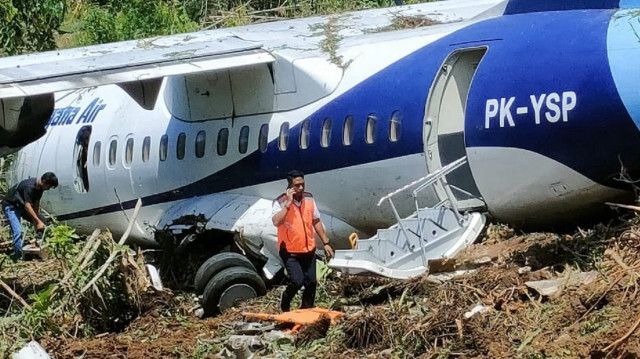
(216, 264)
(230, 286)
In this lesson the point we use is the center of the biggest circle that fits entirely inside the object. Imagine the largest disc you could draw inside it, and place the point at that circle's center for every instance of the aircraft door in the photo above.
(443, 133)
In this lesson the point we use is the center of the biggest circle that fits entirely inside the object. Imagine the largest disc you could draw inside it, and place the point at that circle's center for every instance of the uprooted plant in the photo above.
(94, 295)
(99, 288)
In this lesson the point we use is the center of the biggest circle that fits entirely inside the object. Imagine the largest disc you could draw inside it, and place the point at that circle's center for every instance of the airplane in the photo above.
(523, 110)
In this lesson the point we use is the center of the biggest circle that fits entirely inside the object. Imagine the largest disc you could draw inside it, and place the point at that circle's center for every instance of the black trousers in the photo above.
(301, 268)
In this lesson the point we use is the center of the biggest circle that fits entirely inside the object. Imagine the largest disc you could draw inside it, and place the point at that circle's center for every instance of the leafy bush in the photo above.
(60, 241)
(29, 25)
(133, 19)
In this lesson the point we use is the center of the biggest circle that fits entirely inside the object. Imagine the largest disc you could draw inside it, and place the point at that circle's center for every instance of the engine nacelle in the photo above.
(23, 120)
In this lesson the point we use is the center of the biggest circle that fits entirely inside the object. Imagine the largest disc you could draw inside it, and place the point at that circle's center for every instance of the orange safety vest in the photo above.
(296, 232)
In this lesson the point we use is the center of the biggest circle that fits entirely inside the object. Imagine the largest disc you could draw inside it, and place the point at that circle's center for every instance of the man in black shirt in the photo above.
(23, 201)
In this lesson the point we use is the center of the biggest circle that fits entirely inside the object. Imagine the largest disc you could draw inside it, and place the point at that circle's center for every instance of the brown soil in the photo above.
(418, 318)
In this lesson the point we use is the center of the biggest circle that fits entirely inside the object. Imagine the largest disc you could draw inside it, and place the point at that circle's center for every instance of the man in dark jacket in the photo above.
(23, 201)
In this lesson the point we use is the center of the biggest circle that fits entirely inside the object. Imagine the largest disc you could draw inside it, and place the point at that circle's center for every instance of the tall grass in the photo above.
(226, 13)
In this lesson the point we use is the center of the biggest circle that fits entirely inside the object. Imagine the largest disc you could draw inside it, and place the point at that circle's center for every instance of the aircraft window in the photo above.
(347, 131)
(395, 128)
(164, 144)
(128, 153)
(263, 138)
(223, 140)
(284, 136)
(326, 133)
(372, 128)
(146, 148)
(96, 154)
(180, 147)
(201, 138)
(113, 149)
(243, 142)
(304, 134)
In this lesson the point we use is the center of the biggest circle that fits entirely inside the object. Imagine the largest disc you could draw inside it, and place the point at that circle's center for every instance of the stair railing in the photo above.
(426, 181)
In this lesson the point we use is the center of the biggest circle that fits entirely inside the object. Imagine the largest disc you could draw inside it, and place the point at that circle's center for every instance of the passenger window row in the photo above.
(370, 137)
(200, 145)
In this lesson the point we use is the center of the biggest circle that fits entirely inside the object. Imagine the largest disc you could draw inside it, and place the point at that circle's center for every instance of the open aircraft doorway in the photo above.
(80, 150)
(443, 132)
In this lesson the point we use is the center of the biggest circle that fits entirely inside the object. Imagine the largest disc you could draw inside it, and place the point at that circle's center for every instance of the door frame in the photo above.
(448, 96)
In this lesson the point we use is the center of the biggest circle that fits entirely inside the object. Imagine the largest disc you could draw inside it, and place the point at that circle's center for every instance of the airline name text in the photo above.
(69, 115)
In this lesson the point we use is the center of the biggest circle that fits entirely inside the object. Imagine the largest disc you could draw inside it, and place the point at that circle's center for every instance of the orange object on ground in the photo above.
(297, 317)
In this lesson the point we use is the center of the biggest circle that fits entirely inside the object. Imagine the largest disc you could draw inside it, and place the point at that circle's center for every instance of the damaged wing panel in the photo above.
(103, 64)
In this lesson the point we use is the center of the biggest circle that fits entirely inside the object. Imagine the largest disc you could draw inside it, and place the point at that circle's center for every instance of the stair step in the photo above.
(384, 250)
(397, 237)
(392, 255)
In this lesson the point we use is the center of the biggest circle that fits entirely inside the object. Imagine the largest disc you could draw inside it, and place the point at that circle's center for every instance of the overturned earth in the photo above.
(485, 303)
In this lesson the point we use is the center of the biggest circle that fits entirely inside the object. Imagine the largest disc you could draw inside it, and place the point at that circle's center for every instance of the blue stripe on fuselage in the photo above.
(529, 6)
(558, 52)
(508, 69)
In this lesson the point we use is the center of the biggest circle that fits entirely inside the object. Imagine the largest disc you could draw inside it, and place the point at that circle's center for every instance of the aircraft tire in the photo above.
(230, 286)
(217, 263)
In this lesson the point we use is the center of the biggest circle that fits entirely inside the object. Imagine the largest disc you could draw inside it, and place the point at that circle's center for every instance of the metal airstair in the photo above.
(403, 250)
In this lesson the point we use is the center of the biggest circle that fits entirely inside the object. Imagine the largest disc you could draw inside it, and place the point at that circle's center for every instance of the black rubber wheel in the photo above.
(229, 287)
(217, 263)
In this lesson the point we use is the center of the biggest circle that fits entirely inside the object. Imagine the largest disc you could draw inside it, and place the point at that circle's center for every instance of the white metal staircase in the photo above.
(403, 250)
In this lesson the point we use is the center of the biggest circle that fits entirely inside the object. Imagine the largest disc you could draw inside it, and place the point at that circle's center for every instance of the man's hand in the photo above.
(278, 218)
(289, 193)
(39, 225)
(328, 251)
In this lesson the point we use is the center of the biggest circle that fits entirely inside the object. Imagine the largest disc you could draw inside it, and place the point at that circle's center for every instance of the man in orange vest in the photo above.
(296, 216)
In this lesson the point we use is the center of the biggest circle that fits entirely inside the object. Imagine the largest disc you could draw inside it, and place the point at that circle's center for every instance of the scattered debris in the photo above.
(316, 330)
(155, 277)
(32, 350)
(478, 309)
(524, 270)
(554, 287)
(439, 278)
(367, 328)
(14, 294)
(407, 22)
(242, 346)
(331, 41)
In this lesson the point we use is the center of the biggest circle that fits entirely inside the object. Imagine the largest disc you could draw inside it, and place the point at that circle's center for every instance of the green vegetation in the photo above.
(97, 23)
(29, 25)
(57, 303)
(217, 14)
(40, 25)
(61, 244)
